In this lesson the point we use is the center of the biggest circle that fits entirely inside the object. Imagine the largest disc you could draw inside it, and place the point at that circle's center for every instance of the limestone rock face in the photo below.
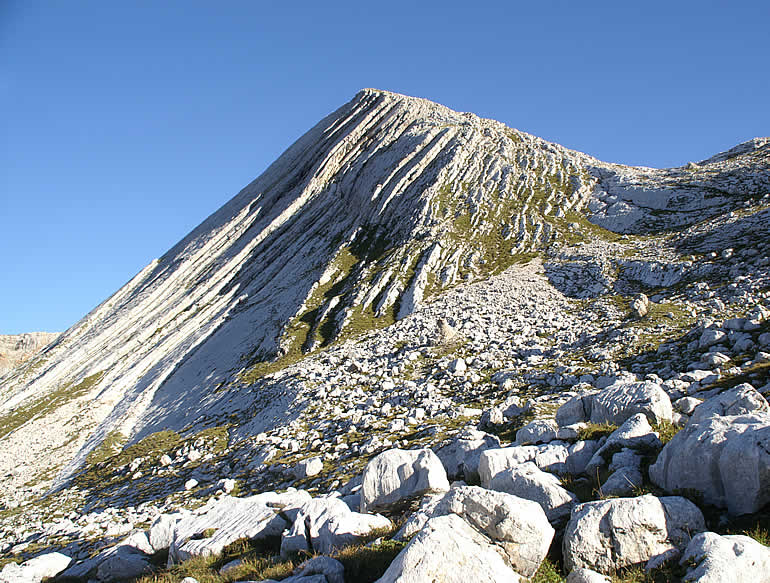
(398, 475)
(447, 549)
(225, 521)
(734, 558)
(616, 403)
(610, 534)
(461, 455)
(35, 570)
(724, 458)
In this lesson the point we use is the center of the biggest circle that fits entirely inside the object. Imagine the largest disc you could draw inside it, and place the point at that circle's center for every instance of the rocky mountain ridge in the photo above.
(17, 348)
(401, 274)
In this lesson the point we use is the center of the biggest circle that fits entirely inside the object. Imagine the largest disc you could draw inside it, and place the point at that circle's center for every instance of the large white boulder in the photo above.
(447, 549)
(398, 475)
(616, 403)
(731, 558)
(621, 400)
(518, 527)
(325, 524)
(726, 459)
(461, 455)
(36, 569)
(741, 400)
(531, 483)
(609, 534)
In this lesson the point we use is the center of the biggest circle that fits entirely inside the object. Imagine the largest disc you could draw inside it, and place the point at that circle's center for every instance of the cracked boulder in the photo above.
(610, 534)
(617, 403)
(725, 459)
(447, 549)
(325, 524)
(518, 527)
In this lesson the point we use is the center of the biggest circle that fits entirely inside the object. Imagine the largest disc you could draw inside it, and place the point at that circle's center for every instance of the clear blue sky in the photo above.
(125, 124)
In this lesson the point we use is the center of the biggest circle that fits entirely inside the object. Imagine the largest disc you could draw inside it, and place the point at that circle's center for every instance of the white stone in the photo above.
(397, 475)
(730, 558)
(740, 400)
(726, 459)
(330, 524)
(531, 483)
(517, 526)
(537, 431)
(447, 549)
(609, 534)
(460, 456)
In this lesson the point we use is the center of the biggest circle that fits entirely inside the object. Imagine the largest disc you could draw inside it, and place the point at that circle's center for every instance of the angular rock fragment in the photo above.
(518, 527)
(325, 524)
(460, 456)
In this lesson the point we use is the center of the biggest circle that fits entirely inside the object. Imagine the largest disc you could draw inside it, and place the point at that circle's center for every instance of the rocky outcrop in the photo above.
(18, 348)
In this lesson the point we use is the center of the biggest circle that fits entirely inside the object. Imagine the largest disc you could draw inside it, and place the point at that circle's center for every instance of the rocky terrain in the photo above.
(421, 346)
(16, 348)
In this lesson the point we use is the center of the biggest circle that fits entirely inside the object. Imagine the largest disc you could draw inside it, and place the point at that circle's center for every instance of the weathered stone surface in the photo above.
(325, 524)
(398, 475)
(517, 526)
(460, 456)
(733, 558)
(538, 431)
(124, 562)
(741, 400)
(331, 569)
(726, 459)
(551, 457)
(531, 483)
(447, 549)
(616, 403)
(621, 400)
(610, 534)
(227, 520)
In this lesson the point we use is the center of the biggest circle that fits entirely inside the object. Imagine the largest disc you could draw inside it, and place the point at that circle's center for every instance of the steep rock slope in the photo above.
(387, 201)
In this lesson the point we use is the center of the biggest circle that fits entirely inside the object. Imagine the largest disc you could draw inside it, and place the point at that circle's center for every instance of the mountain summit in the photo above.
(386, 206)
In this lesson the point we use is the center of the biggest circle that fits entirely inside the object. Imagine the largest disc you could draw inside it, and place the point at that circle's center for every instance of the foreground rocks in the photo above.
(725, 459)
(610, 534)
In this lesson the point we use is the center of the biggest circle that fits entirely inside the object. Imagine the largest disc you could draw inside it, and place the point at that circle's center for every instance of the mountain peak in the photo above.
(384, 205)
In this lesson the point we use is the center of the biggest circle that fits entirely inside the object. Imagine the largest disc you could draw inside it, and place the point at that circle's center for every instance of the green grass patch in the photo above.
(594, 431)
